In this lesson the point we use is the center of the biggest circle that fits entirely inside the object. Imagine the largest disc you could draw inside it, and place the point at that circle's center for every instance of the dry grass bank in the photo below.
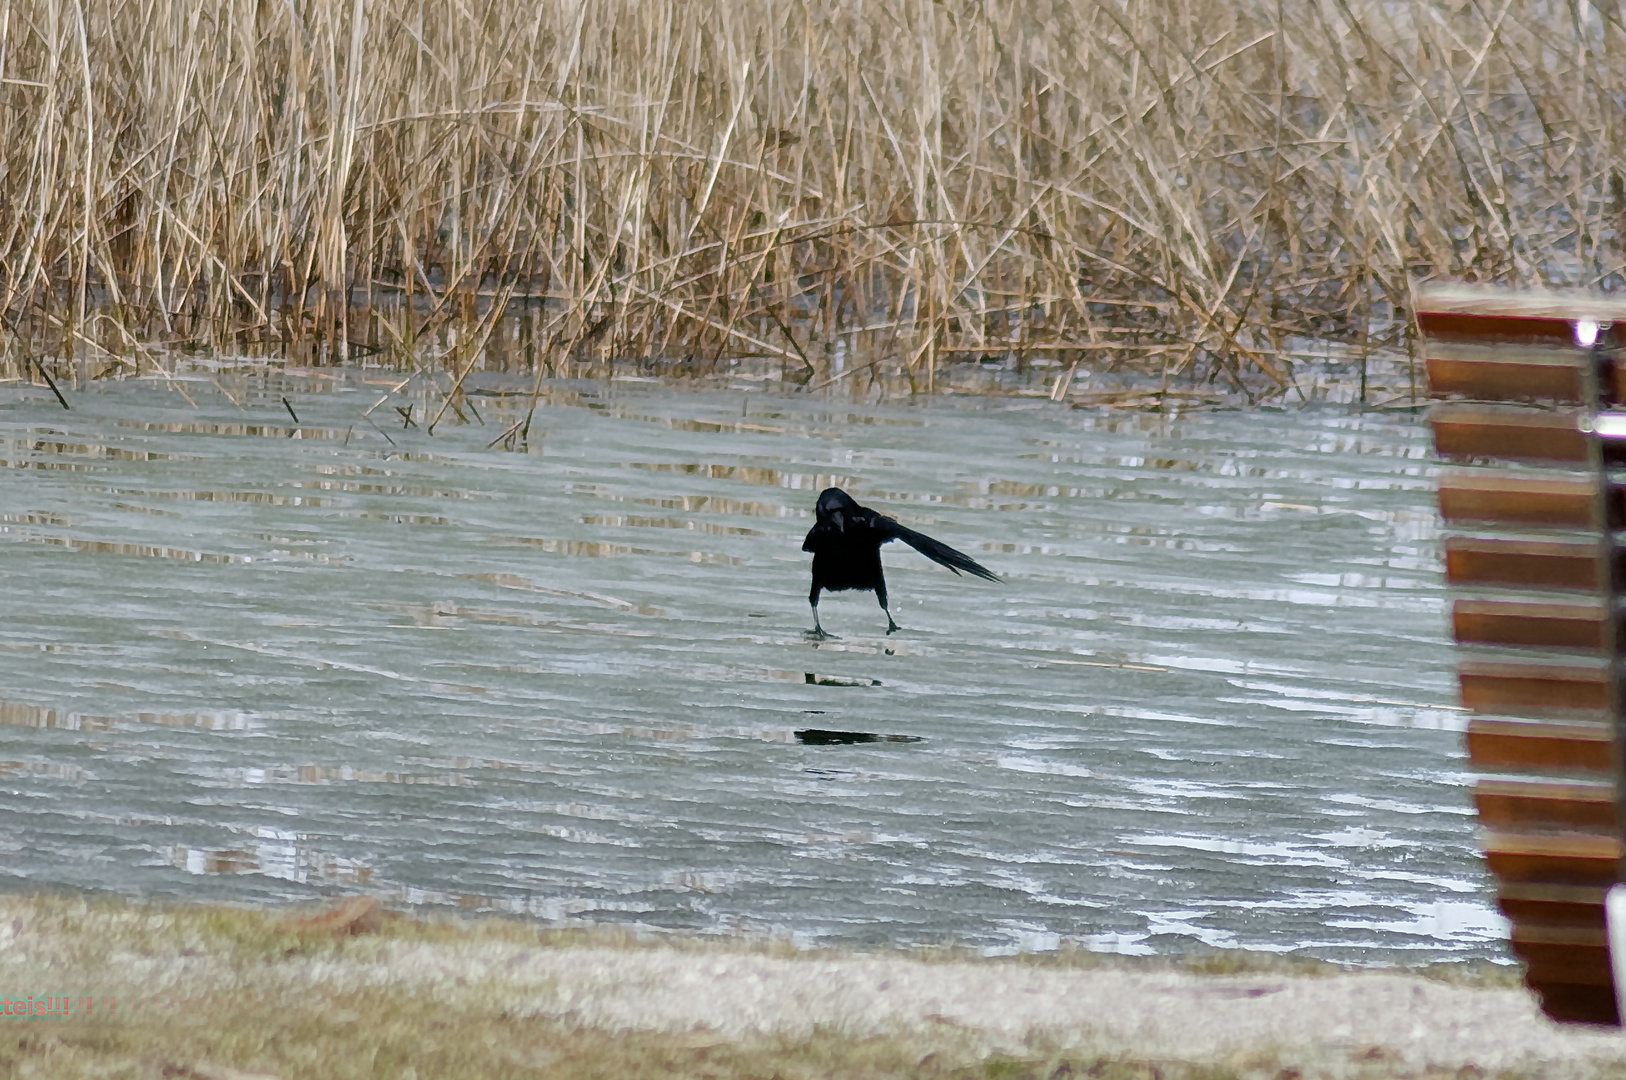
(231, 994)
(828, 186)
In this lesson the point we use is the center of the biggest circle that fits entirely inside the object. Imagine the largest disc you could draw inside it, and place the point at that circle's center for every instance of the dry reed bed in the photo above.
(828, 186)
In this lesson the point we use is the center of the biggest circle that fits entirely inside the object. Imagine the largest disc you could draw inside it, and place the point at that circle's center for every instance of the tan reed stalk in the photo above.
(694, 181)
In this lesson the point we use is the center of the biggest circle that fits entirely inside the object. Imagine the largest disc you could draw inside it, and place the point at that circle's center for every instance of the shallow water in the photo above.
(243, 658)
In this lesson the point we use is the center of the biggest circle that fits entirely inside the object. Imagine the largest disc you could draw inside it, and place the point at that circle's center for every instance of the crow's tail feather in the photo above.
(943, 555)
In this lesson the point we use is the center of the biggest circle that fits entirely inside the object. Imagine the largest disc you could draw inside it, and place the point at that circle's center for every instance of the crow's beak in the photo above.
(841, 526)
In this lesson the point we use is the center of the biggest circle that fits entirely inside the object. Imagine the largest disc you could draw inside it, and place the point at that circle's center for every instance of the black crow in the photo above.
(846, 545)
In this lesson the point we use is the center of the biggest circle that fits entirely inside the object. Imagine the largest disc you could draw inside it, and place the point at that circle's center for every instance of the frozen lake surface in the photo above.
(247, 659)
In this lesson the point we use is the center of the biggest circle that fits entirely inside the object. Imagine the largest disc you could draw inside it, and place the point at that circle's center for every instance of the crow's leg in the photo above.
(880, 595)
(813, 601)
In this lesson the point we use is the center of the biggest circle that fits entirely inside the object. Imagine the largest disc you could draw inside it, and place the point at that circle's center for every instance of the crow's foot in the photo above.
(819, 633)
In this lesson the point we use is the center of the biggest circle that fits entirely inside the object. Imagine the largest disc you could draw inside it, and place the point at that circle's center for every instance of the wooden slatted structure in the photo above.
(1532, 415)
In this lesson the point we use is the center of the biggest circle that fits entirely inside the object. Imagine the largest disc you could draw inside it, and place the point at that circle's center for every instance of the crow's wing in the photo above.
(935, 550)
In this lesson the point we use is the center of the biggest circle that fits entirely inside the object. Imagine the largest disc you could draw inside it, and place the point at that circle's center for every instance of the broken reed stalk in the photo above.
(896, 183)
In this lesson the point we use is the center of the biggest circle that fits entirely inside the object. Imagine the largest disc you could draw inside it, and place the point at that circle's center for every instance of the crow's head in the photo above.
(834, 507)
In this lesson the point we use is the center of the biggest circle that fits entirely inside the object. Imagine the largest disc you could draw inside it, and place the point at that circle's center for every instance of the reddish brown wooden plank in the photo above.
(1474, 298)
(1566, 957)
(1546, 564)
(1494, 687)
(1516, 375)
(1573, 1004)
(1560, 858)
(1514, 434)
(1538, 746)
(1517, 329)
(1513, 622)
(1525, 804)
(1552, 905)
(1516, 500)
(1574, 964)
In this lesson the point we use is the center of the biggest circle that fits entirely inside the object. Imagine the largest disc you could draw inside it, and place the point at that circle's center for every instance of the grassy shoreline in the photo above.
(230, 993)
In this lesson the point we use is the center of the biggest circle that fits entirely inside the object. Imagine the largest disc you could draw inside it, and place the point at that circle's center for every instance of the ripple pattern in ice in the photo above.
(252, 659)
